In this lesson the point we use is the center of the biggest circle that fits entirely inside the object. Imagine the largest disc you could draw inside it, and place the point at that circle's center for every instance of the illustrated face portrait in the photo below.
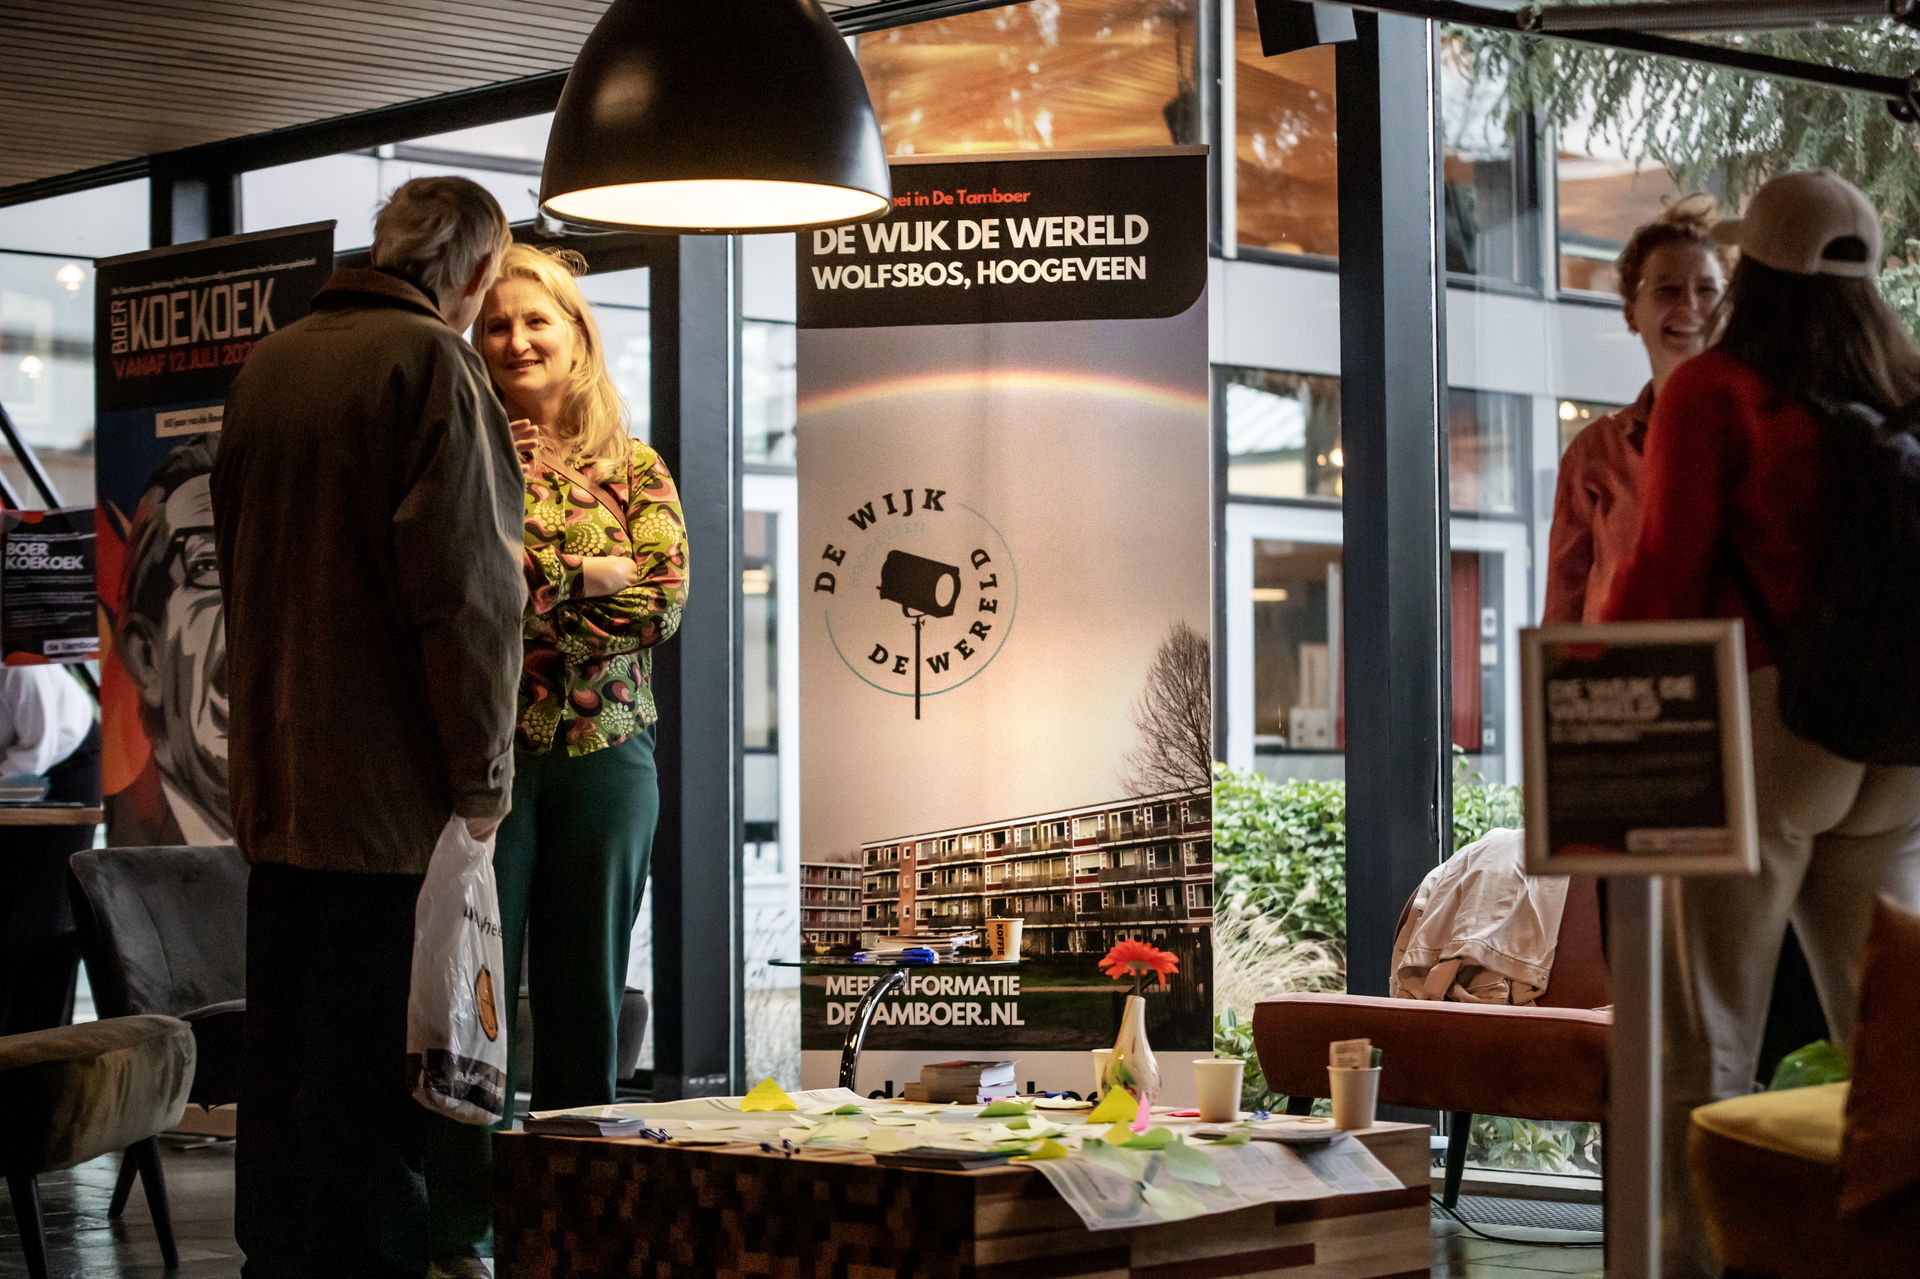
(173, 643)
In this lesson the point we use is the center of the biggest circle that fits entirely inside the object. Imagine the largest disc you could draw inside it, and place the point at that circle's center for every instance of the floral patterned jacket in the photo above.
(587, 674)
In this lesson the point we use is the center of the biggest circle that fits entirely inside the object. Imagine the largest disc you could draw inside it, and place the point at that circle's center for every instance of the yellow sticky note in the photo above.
(767, 1095)
(1118, 1135)
(1048, 1149)
(1117, 1106)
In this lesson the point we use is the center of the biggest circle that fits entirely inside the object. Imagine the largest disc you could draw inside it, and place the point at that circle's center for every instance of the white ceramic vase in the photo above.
(1132, 1067)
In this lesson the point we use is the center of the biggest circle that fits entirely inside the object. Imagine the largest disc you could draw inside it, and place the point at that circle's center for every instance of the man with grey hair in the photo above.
(367, 508)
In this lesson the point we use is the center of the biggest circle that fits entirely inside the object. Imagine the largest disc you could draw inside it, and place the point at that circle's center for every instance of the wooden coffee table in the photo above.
(594, 1208)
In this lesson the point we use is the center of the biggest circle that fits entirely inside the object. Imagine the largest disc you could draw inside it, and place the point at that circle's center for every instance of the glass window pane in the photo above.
(348, 188)
(1603, 195)
(1285, 157)
(1576, 415)
(1065, 75)
(46, 371)
(769, 392)
(1283, 434)
(1485, 432)
(1483, 200)
(1298, 721)
(99, 222)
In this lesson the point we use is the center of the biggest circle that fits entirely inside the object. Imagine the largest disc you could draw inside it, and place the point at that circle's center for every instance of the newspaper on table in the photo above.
(1110, 1187)
(1255, 1173)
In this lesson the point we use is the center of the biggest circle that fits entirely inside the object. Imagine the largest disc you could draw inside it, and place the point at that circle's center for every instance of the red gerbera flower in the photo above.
(1136, 959)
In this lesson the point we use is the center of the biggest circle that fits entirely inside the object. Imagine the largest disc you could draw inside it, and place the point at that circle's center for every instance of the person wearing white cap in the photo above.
(1737, 489)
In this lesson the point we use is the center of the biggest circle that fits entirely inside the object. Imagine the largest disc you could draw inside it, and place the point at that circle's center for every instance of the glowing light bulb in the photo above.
(1337, 457)
(1568, 411)
(72, 275)
(32, 366)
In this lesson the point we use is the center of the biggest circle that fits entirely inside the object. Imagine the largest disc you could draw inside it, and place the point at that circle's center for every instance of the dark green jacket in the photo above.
(367, 505)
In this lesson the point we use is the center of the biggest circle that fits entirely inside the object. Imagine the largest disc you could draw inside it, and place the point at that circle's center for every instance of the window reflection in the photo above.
(1604, 193)
(1283, 434)
(46, 371)
(1283, 441)
(1485, 430)
(1051, 75)
(1483, 195)
(769, 392)
(1285, 157)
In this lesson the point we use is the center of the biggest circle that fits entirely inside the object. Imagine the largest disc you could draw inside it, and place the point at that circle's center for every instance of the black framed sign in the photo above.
(1638, 755)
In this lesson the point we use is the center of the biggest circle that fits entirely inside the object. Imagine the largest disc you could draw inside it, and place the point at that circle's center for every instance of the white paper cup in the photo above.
(1216, 1086)
(1102, 1058)
(1356, 1093)
(1003, 937)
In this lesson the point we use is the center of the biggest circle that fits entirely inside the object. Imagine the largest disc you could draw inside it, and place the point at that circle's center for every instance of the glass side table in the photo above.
(893, 975)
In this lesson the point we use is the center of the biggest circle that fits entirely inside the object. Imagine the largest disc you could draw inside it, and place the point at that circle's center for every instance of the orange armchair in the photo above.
(1542, 1061)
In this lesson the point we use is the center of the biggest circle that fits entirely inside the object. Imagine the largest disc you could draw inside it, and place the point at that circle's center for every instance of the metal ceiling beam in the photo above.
(1701, 17)
(1892, 88)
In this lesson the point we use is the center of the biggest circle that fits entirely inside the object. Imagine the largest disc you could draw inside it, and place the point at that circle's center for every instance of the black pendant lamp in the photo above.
(715, 116)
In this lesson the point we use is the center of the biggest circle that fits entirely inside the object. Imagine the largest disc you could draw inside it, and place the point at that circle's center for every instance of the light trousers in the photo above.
(1833, 835)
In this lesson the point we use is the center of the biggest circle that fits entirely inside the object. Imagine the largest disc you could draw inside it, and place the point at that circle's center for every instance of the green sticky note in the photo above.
(1151, 1139)
(1117, 1107)
(848, 1109)
(1130, 1164)
(1048, 1149)
(1190, 1163)
(1238, 1137)
(767, 1095)
(1173, 1203)
(1004, 1107)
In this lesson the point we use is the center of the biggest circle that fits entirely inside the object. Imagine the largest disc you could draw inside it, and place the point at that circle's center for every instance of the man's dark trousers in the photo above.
(327, 1177)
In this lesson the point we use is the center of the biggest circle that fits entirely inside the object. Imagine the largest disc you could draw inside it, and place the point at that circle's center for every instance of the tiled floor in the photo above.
(84, 1245)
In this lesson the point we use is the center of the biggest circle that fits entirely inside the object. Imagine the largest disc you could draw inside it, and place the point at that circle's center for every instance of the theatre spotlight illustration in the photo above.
(922, 588)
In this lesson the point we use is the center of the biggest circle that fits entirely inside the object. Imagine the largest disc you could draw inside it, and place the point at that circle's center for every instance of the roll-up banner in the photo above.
(172, 328)
(1005, 515)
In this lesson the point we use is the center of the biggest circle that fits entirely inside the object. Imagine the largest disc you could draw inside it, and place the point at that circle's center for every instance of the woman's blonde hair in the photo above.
(593, 417)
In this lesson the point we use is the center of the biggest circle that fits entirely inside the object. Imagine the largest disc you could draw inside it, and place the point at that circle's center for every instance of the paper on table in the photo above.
(1256, 1173)
(1347, 1167)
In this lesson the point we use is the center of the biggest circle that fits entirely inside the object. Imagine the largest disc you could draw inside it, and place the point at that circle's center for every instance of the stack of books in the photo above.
(962, 1082)
(940, 944)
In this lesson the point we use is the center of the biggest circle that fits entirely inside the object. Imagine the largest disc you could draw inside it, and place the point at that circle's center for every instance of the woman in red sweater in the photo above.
(1735, 490)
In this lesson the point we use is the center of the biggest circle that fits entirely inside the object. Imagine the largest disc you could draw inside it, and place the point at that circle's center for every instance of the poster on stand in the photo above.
(173, 327)
(1004, 455)
(47, 611)
(1638, 755)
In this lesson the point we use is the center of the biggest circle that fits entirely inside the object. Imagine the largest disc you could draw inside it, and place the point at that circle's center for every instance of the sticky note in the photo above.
(1117, 1106)
(767, 1095)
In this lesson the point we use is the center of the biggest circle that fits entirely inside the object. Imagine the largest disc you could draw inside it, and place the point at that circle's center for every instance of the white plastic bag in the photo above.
(456, 1019)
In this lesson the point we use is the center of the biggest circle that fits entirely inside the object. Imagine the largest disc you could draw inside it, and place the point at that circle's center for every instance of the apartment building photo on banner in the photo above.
(1004, 456)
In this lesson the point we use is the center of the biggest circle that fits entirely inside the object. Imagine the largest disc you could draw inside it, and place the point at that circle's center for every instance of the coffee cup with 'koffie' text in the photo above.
(1003, 937)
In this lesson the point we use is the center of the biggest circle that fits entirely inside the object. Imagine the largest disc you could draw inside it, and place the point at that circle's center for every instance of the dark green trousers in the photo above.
(571, 863)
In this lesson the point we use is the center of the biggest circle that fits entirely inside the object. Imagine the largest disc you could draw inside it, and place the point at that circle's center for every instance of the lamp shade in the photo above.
(715, 116)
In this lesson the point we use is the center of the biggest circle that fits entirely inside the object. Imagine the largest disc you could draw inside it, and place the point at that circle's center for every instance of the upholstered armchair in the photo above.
(1541, 1061)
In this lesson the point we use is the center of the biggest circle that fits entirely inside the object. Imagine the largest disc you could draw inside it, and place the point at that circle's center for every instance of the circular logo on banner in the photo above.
(919, 595)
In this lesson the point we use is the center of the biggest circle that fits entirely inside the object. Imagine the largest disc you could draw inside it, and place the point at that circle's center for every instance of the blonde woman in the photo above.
(606, 567)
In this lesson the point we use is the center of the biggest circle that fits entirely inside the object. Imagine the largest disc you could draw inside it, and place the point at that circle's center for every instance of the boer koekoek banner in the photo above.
(1005, 514)
(172, 328)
